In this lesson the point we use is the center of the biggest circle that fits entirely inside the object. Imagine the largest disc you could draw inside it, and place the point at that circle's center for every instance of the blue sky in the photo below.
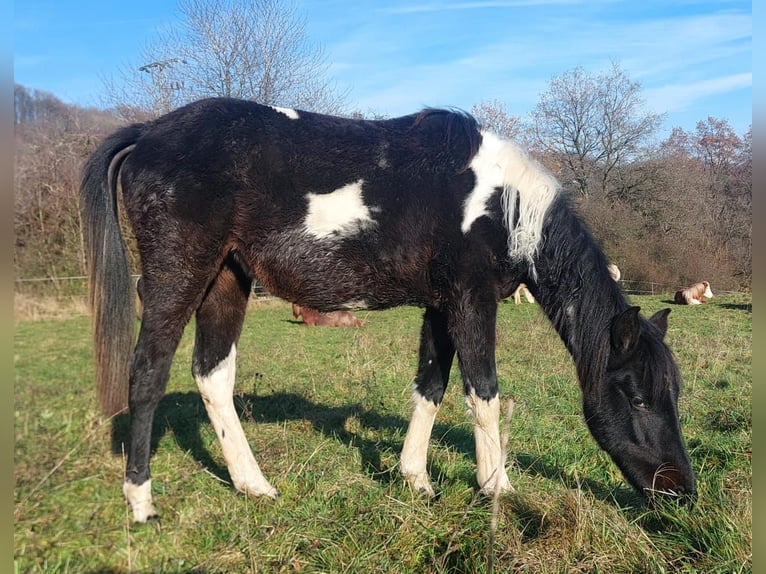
(693, 58)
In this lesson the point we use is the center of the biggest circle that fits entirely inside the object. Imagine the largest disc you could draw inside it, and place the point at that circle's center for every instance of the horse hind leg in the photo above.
(434, 363)
(219, 324)
(161, 330)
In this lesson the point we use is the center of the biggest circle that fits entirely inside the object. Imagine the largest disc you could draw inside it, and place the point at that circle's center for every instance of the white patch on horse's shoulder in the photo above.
(489, 177)
(289, 112)
(339, 213)
(503, 164)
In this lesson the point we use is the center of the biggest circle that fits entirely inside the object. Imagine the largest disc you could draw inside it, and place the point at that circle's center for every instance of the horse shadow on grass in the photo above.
(738, 306)
(748, 307)
(184, 414)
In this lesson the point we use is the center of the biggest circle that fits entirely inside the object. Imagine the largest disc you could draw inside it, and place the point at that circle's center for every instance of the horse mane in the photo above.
(576, 291)
(528, 188)
(587, 301)
(527, 191)
(460, 129)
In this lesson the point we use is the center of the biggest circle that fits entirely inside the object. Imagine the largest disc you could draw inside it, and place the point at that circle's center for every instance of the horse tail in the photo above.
(110, 287)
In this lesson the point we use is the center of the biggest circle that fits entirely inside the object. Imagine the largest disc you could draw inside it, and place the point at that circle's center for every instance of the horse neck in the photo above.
(576, 292)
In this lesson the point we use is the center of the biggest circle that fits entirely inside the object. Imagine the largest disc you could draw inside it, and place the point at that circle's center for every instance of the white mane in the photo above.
(501, 163)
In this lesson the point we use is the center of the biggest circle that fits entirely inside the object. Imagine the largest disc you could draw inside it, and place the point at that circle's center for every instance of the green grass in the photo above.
(326, 410)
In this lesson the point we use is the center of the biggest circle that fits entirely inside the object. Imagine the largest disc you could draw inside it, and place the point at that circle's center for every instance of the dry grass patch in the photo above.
(37, 308)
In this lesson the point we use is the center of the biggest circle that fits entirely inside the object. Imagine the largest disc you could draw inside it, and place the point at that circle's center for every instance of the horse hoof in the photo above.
(258, 491)
(142, 515)
(504, 487)
(420, 484)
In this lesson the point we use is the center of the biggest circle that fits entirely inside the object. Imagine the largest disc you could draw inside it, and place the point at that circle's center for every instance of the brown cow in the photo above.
(314, 318)
(694, 295)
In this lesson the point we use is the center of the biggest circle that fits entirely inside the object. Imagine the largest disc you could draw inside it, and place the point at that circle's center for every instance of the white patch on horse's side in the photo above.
(503, 164)
(289, 112)
(338, 213)
(355, 305)
(139, 496)
(217, 390)
(415, 449)
(490, 465)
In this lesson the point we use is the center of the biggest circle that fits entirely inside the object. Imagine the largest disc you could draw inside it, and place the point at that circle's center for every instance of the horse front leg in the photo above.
(473, 329)
(434, 363)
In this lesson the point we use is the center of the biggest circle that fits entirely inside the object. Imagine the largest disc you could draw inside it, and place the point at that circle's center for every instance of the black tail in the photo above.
(111, 289)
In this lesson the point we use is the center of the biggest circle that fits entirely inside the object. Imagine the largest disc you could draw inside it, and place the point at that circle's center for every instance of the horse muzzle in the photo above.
(670, 482)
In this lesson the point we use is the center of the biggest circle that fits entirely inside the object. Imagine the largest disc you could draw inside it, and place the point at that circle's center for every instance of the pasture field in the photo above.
(326, 411)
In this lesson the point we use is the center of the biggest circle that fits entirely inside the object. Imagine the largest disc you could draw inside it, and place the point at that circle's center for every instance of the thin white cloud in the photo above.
(685, 52)
(677, 97)
(479, 5)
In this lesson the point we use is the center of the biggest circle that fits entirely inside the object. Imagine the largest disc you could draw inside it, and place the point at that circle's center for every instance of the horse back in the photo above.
(325, 211)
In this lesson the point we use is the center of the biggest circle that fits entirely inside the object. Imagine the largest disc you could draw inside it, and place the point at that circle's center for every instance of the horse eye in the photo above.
(638, 402)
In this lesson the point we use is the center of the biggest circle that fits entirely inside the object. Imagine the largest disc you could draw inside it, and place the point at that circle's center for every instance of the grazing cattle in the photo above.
(694, 295)
(522, 288)
(313, 318)
(335, 213)
(614, 271)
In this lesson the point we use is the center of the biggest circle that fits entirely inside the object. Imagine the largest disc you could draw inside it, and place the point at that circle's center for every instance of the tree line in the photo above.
(672, 210)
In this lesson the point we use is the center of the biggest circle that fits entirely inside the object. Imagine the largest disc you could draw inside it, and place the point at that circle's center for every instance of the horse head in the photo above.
(705, 291)
(632, 412)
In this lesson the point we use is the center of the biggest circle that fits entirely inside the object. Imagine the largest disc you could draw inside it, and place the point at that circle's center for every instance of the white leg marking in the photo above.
(340, 212)
(415, 450)
(217, 390)
(289, 112)
(139, 497)
(490, 466)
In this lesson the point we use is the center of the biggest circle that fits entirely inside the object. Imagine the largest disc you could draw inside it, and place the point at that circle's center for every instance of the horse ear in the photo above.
(625, 330)
(660, 320)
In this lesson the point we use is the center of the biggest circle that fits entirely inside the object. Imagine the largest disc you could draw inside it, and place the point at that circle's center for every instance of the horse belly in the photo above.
(330, 275)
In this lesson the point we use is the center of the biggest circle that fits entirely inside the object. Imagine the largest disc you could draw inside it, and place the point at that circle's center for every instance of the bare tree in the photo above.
(727, 161)
(251, 49)
(717, 145)
(51, 139)
(493, 116)
(597, 125)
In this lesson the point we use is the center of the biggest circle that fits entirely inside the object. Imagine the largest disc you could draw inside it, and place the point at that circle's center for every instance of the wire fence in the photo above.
(78, 286)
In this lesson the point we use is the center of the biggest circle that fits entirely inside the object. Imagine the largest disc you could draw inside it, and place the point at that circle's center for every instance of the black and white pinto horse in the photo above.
(334, 213)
